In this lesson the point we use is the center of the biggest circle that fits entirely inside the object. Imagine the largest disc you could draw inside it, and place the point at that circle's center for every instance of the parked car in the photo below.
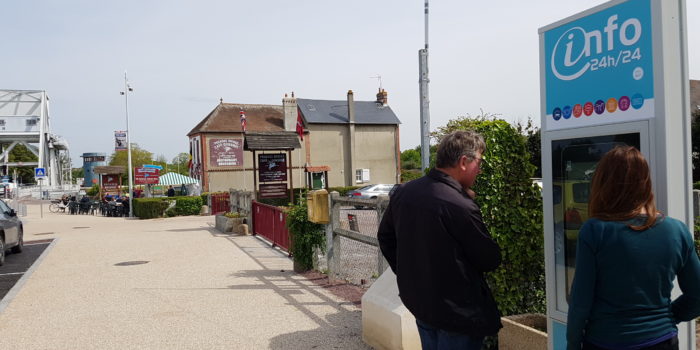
(11, 232)
(7, 189)
(371, 192)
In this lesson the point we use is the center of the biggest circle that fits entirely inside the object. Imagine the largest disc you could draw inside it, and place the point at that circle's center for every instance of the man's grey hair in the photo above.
(457, 144)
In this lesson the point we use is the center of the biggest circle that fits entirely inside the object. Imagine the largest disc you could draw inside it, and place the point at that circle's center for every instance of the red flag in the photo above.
(300, 127)
(244, 123)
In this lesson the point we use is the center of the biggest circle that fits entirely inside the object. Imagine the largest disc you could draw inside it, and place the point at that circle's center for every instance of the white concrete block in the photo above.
(386, 323)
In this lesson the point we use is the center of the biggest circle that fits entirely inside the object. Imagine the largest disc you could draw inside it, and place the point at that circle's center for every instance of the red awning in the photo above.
(317, 169)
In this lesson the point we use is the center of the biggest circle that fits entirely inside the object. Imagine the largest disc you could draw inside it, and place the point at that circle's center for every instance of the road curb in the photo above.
(20, 283)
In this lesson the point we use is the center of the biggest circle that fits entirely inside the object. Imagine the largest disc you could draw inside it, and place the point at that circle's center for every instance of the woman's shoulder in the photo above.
(593, 223)
(669, 223)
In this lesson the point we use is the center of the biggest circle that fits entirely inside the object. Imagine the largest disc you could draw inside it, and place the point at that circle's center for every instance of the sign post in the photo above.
(40, 175)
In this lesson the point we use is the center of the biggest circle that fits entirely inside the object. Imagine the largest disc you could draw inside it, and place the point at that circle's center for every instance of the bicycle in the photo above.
(56, 206)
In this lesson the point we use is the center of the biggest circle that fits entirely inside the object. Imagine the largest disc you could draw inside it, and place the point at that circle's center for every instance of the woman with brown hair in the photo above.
(628, 255)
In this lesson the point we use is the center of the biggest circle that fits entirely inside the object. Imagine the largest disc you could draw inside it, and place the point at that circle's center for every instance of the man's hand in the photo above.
(470, 193)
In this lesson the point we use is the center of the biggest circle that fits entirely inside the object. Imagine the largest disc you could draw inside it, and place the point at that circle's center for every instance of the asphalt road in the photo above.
(17, 264)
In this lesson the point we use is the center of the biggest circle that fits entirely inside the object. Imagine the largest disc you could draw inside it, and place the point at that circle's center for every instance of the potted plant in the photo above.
(230, 222)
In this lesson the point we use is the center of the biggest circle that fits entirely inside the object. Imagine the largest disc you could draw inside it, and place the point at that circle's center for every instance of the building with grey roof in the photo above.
(343, 142)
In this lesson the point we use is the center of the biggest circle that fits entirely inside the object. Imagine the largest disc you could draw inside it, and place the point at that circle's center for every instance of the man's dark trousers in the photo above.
(432, 338)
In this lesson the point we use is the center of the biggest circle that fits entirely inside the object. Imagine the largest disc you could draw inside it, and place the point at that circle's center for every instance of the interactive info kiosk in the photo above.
(613, 75)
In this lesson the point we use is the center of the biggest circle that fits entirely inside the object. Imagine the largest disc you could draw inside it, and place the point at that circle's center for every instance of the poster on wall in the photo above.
(272, 167)
(120, 140)
(599, 69)
(225, 152)
(110, 181)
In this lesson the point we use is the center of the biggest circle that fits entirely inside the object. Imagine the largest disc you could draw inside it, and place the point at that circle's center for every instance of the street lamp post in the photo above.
(126, 91)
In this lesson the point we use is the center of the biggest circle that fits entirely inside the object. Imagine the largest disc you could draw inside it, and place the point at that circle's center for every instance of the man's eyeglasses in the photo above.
(480, 161)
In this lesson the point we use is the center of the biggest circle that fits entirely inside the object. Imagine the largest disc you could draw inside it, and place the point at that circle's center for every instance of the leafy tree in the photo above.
(139, 157)
(512, 210)
(410, 159)
(410, 164)
(77, 173)
(180, 164)
(161, 161)
(20, 153)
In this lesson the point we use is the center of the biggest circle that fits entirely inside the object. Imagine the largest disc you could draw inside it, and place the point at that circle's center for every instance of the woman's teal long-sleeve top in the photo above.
(621, 292)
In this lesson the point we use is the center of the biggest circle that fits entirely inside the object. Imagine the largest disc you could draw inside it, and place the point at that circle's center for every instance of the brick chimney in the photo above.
(382, 97)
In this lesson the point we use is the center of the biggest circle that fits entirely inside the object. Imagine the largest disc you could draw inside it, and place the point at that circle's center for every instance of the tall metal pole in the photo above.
(127, 89)
(424, 100)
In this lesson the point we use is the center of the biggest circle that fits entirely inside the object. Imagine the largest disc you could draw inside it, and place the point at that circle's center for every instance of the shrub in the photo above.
(305, 235)
(410, 174)
(233, 215)
(148, 208)
(511, 206)
(205, 198)
(185, 205)
(93, 191)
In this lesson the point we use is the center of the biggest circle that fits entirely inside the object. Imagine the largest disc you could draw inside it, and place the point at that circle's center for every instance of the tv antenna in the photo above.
(378, 77)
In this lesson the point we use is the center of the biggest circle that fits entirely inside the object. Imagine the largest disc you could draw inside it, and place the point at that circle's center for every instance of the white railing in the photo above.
(49, 192)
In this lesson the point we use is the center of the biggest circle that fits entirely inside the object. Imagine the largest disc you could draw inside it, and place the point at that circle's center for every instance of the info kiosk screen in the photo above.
(573, 163)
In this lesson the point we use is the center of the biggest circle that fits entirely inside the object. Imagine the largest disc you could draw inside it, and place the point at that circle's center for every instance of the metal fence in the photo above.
(219, 203)
(352, 248)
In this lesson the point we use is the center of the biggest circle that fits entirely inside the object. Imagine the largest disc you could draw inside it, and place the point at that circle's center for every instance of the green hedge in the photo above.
(186, 205)
(149, 208)
(511, 206)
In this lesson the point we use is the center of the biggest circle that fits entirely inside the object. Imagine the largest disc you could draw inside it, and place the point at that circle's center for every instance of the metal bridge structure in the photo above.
(24, 119)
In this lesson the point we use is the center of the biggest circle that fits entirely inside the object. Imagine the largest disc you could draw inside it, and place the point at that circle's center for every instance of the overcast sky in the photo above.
(182, 56)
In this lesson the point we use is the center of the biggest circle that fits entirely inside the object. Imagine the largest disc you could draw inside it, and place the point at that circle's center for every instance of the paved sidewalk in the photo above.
(199, 290)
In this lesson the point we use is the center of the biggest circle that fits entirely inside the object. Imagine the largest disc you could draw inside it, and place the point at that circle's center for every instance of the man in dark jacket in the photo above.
(435, 241)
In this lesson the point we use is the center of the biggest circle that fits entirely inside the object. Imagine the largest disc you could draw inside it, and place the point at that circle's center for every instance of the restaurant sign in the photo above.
(225, 152)
(110, 181)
